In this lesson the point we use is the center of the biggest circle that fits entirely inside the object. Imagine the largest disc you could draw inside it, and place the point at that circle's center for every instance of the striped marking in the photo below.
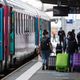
(28, 74)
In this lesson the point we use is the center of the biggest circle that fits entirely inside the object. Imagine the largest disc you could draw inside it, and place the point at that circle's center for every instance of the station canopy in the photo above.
(63, 2)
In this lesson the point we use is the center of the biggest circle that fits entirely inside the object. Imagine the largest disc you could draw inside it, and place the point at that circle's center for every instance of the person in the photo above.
(78, 39)
(73, 33)
(61, 35)
(65, 43)
(45, 49)
(71, 47)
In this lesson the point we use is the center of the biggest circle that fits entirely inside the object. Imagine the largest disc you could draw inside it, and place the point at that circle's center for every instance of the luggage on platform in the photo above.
(62, 62)
(76, 61)
(52, 62)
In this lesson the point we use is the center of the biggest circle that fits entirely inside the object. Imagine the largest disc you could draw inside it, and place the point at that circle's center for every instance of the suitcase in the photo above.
(62, 62)
(52, 62)
(76, 61)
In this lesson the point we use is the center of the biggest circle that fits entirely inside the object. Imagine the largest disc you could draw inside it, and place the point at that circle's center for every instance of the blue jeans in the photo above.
(70, 60)
(45, 55)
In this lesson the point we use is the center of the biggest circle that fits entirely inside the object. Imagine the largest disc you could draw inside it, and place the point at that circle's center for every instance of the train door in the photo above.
(6, 35)
(36, 31)
(12, 35)
(1, 36)
(41, 29)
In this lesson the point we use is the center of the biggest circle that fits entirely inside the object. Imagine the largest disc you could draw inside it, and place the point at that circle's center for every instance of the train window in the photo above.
(19, 22)
(33, 23)
(29, 22)
(16, 22)
(24, 23)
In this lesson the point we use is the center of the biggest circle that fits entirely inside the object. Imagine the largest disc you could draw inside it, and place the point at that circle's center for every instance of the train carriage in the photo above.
(23, 26)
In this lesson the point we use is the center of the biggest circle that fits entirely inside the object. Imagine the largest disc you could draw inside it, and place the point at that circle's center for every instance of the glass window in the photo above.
(24, 23)
(21, 23)
(27, 23)
(33, 24)
(15, 22)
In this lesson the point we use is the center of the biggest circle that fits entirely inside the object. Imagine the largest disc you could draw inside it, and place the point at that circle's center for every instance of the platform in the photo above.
(32, 71)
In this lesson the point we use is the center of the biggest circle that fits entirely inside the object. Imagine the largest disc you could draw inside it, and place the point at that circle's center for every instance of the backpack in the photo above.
(45, 43)
(58, 48)
(72, 45)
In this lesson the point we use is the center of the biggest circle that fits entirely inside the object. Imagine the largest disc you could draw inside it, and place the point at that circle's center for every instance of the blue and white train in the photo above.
(21, 27)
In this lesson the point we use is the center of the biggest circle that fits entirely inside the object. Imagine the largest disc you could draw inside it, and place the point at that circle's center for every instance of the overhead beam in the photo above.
(63, 2)
(48, 10)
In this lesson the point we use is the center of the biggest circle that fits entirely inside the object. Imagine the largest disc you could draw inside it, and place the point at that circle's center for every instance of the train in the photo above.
(21, 27)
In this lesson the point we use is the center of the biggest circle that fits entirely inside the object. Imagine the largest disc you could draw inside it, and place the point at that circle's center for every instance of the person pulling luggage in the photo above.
(70, 47)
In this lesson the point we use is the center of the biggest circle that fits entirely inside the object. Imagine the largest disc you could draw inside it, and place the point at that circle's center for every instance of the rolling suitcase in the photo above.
(62, 62)
(76, 61)
(52, 62)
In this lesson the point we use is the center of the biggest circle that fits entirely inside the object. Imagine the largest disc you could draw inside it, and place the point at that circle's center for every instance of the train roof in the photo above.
(20, 6)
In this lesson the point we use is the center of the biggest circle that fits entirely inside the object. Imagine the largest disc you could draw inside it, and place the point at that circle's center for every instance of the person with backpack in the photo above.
(45, 49)
(70, 47)
(78, 39)
(61, 34)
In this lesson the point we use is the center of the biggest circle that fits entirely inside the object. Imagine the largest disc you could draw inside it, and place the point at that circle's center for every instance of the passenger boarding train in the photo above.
(21, 27)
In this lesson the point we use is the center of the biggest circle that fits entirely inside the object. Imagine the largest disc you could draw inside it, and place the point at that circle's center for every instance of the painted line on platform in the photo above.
(30, 72)
(16, 70)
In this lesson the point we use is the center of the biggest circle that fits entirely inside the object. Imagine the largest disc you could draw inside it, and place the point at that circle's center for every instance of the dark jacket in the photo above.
(61, 35)
(72, 45)
(78, 38)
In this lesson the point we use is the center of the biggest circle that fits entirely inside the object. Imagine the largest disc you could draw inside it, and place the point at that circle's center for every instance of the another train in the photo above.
(21, 27)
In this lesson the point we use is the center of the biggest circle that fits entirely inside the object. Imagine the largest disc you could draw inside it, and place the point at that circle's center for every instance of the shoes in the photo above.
(46, 66)
(43, 67)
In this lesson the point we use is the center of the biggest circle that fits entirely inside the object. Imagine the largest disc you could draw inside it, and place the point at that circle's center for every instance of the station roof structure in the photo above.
(63, 2)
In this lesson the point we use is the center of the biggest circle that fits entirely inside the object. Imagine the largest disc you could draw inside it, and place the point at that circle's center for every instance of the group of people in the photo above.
(71, 43)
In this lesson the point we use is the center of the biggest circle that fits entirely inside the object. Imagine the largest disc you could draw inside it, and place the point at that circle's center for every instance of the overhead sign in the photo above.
(70, 21)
